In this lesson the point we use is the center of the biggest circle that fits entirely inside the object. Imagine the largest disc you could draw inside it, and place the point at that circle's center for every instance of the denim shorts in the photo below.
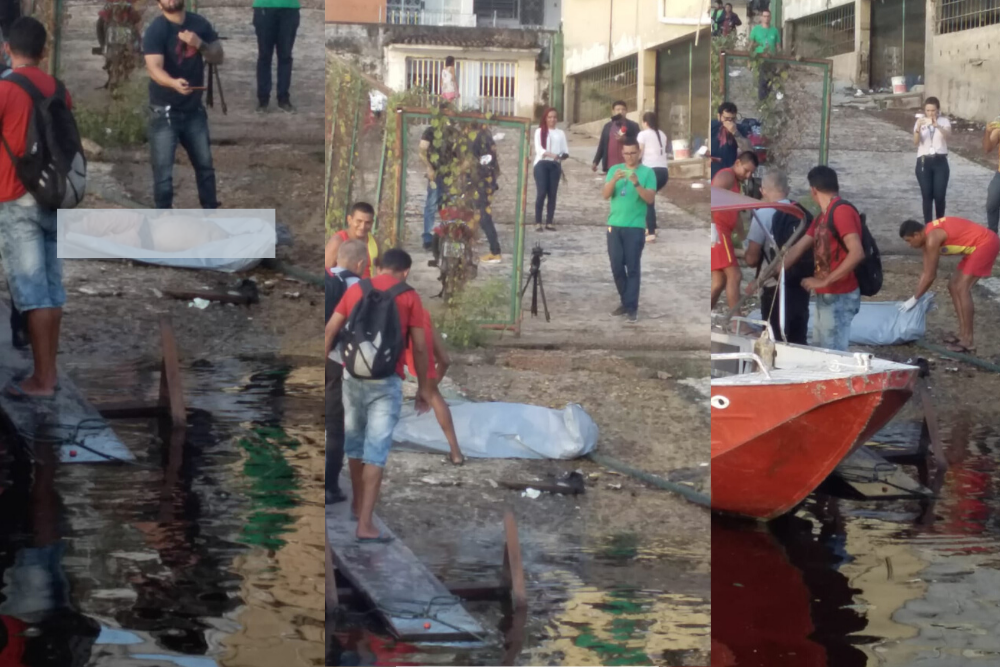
(371, 410)
(834, 314)
(28, 249)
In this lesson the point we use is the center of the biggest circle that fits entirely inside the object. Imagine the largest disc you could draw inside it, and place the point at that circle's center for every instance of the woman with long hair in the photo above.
(550, 146)
(653, 149)
(930, 136)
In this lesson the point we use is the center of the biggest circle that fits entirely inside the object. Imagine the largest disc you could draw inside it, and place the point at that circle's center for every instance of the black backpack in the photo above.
(373, 335)
(783, 225)
(869, 271)
(53, 168)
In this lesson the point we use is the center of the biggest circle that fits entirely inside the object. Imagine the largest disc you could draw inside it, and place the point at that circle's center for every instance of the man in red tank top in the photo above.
(726, 274)
(359, 227)
(953, 236)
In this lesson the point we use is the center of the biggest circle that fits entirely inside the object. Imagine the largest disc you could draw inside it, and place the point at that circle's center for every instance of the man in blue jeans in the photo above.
(176, 46)
(371, 406)
(433, 156)
(835, 239)
(631, 187)
(27, 231)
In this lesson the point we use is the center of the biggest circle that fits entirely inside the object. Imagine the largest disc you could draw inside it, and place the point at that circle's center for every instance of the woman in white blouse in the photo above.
(930, 136)
(550, 147)
(653, 150)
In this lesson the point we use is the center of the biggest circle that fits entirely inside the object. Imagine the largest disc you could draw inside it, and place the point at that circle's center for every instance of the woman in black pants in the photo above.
(653, 152)
(930, 136)
(550, 146)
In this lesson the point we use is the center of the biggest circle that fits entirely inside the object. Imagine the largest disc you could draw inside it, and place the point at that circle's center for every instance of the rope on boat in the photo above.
(616, 465)
(958, 356)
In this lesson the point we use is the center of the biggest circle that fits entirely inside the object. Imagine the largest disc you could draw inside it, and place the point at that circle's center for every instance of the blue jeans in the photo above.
(625, 246)
(431, 207)
(371, 410)
(167, 128)
(28, 252)
(276, 28)
(834, 314)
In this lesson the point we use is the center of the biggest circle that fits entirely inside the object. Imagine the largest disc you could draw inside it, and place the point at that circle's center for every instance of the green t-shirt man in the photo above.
(765, 38)
(627, 208)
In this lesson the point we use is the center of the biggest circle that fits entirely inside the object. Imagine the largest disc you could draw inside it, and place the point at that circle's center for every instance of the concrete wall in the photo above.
(961, 69)
(601, 31)
(796, 9)
(355, 11)
(848, 68)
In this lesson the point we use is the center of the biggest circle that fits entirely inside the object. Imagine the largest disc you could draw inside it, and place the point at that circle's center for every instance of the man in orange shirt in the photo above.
(953, 236)
(726, 274)
(372, 403)
(360, 221)
(27, 231)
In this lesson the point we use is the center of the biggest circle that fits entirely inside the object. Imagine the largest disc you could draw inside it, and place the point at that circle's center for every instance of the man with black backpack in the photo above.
(41, 170)
(770, 231)
(838, 240)
(374, 320)
(352, 262)
(177, 45)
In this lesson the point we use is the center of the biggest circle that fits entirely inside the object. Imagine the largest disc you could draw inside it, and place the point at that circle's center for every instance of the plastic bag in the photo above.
(503, 431)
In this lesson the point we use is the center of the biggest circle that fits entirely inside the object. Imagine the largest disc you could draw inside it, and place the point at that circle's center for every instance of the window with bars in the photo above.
(597, 89)
(825, 34)
(487, 86)
(957, 15)
(501, 9)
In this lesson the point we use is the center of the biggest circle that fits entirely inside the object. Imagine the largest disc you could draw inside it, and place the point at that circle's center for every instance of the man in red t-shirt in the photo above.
(836, 245)
(437, 365)
(371, 407)
(28, 232)
(953, 236)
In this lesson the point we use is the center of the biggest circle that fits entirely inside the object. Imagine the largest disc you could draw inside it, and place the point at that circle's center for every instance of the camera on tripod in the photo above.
(534, 281)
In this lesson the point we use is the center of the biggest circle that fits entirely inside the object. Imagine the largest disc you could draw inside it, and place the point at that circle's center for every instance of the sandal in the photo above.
(951, 339)
(457, 464)
(381, 539)
(15, 392)
(958, 348)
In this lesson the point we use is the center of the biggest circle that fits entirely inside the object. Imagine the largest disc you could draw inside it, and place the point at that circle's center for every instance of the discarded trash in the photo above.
(616, 487)
(572, 485)
(663, 375)
(293, 295)
(493, 483)
(200, 304)
(697, 186)
(499, 136)
(531, 493)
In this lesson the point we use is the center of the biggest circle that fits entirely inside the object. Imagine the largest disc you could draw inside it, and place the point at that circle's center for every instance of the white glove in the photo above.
(908, 305)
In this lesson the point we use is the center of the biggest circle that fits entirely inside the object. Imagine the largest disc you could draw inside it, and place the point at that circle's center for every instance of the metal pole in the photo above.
(381, 174)
(690, 136)
(354, 144)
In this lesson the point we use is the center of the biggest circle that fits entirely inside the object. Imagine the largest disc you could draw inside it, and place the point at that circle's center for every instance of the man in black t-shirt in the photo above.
(176, 46)
(433, 153)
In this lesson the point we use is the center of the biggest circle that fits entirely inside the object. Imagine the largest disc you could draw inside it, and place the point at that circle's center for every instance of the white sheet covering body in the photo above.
(503, 431)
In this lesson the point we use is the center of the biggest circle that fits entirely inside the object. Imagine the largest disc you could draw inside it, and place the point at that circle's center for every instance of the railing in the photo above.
(420, 17)
(598, 88)
(825, 34)
(957, 15)
(484, 86)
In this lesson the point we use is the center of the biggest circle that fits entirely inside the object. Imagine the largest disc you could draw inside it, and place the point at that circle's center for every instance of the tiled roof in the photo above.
(468, 38)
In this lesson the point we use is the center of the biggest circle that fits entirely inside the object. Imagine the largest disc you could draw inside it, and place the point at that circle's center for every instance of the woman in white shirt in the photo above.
(930, 136)
(550, 146)
(653, 149)
(449, 86)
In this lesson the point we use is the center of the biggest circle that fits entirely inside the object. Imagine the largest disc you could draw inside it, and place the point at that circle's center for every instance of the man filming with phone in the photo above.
(176, 46)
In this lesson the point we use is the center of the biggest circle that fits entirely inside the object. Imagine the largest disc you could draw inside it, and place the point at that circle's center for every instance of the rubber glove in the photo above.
(908, 305)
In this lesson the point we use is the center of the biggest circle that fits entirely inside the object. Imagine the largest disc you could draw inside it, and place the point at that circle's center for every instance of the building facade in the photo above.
(356, 11)
(651, 54)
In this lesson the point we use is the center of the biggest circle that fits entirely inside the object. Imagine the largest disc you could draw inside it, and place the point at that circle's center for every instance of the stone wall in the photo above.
(960, 69)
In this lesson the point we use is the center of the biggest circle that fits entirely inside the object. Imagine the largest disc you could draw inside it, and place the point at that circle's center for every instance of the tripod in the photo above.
(534, 281)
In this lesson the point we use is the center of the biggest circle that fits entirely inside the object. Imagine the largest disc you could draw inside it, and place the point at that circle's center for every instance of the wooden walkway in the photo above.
(416, 606)
(66, 416)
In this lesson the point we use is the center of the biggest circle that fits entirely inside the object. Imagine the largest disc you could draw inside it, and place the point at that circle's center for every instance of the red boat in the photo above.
(784, 416)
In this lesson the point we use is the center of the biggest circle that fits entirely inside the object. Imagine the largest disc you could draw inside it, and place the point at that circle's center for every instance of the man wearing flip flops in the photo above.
(953, 236)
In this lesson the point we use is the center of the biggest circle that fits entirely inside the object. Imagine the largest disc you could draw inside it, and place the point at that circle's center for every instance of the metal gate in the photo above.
(897, 41)
(486, 86)
(683, 90)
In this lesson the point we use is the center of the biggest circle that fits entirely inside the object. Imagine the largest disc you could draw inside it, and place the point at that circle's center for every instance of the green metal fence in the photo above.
(795, 113)
(511, 137)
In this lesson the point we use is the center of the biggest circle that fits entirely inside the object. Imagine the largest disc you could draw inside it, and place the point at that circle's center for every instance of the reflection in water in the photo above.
(850, 583)
(173, 559)
(589, 604)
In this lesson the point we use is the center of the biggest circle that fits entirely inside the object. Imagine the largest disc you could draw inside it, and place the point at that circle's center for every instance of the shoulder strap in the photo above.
(833, 227)
(366, 287)
(25, 84)
(397, 289)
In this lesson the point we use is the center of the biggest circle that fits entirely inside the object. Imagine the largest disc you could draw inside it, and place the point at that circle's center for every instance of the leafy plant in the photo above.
(459, 322)
(120, 122)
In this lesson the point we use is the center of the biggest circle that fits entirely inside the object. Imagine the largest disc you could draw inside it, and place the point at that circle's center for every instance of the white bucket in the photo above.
(898, 84)
(682, 149)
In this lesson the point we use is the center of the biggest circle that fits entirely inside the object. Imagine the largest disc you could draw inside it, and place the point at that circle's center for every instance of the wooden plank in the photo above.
(873, 477)
(513, 579)
(171, 391)
(396, 583)
(64, 417)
